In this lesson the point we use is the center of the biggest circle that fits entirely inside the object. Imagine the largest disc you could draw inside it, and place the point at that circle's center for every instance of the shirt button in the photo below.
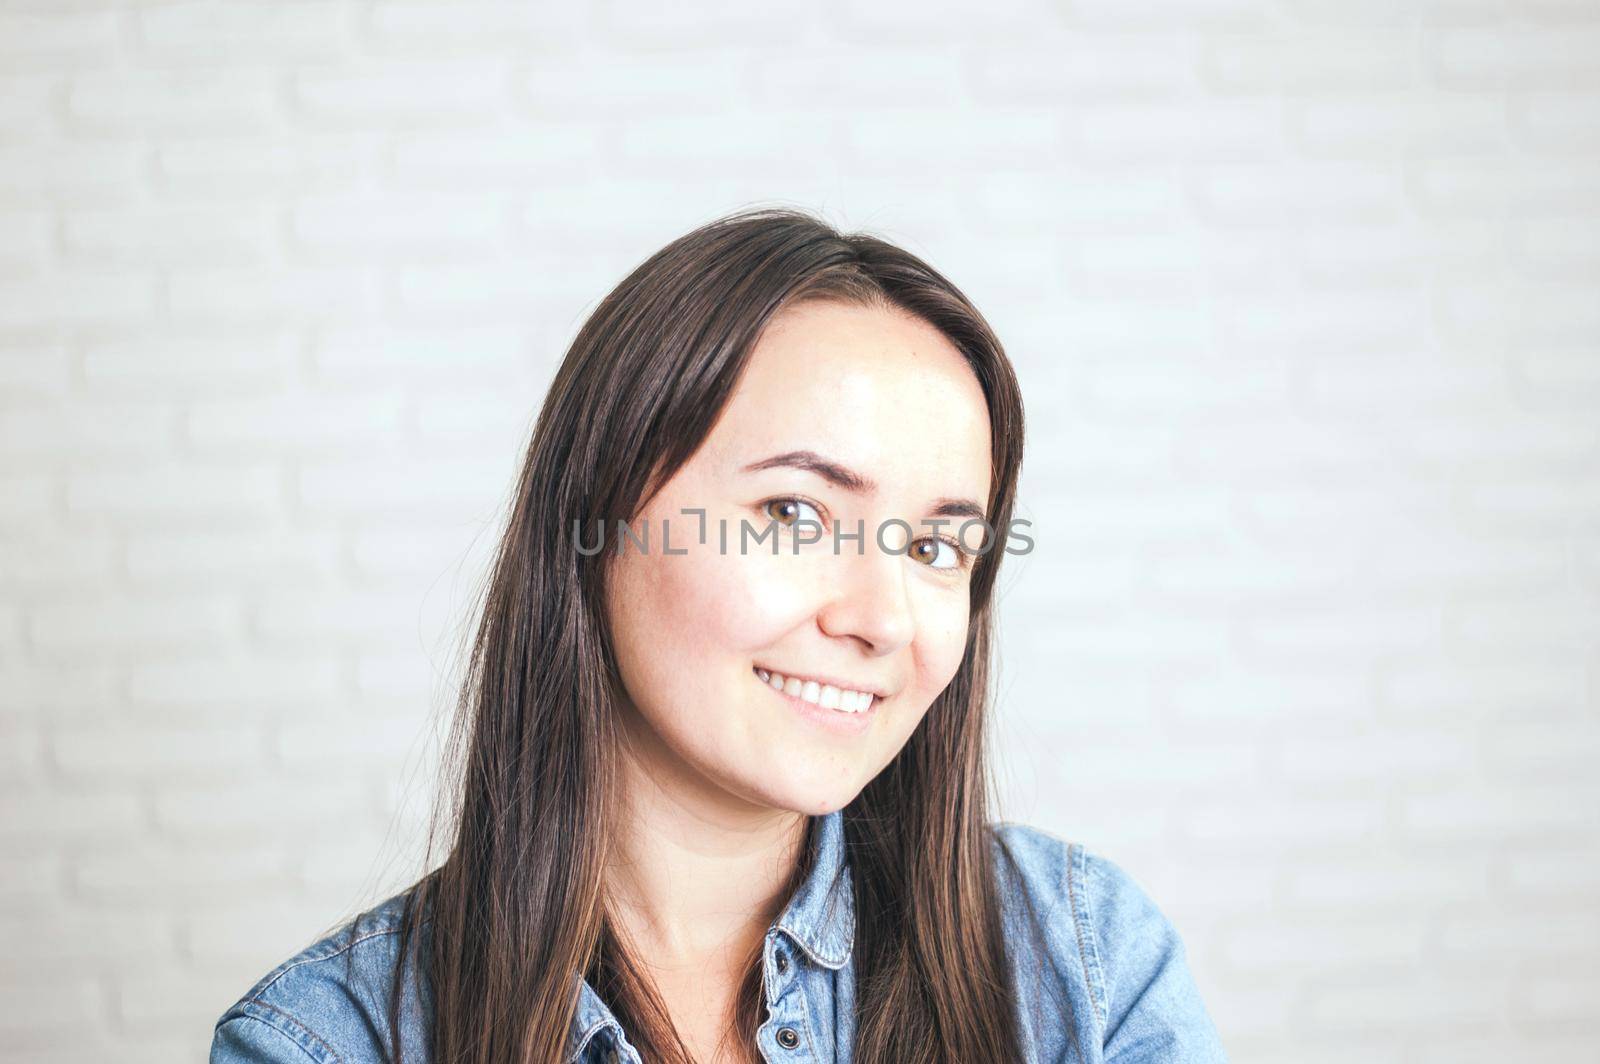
(611, 1056)
(783, 963)
(788, 1037)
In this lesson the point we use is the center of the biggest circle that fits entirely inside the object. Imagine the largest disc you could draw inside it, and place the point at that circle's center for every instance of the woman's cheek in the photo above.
(766, 597)
(942, 637)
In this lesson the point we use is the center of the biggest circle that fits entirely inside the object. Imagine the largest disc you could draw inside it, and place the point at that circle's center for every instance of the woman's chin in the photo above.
(810, 797)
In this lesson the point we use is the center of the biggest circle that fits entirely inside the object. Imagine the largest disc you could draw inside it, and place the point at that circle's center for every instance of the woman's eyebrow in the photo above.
(854, 482)
(812, 462)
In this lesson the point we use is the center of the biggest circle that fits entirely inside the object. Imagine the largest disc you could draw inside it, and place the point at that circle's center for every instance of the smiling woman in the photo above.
(724, 802)
(876, 390)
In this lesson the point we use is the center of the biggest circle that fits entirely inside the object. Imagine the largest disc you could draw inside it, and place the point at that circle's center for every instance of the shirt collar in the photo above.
(591, 1018)
(820, 918)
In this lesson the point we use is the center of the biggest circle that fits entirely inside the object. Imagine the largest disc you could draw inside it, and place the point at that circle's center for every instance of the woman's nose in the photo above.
(870, 602)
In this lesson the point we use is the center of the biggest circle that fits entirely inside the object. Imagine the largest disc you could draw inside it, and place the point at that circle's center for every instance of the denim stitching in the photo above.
(347, 947)
(816, 955)
(1073, 851)
(280, 1032)
(805, 1021)
(811, 1036)
(298, 1025)
(256, 998)
(583, 1040)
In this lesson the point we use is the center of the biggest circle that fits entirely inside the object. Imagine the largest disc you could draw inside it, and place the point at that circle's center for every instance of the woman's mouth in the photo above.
(840, 710)
(827, 696)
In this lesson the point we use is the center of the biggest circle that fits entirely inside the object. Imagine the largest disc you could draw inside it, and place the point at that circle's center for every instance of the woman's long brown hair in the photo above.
(517, 907)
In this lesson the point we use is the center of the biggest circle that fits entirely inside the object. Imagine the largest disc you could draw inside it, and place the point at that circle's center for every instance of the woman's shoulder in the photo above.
(1055, 871)
(1110, 939)
(1058, 871)
(329, 1002)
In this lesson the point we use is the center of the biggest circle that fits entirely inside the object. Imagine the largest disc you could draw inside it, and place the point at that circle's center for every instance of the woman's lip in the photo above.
(834, 720)
(826, 681)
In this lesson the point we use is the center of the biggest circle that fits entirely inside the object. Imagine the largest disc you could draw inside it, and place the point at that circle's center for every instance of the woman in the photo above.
(724, 795)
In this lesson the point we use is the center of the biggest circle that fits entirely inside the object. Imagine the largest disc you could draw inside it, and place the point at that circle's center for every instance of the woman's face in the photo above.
(888, 402)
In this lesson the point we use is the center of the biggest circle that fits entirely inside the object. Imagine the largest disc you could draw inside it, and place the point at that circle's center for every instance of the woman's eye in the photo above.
(936, 552)
(787, 511)
(927, 550)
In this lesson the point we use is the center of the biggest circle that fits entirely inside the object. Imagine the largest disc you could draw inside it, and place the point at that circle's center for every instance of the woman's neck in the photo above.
(696, 876)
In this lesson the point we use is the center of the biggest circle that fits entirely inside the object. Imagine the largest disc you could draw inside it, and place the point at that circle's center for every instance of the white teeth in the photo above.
(825, 695)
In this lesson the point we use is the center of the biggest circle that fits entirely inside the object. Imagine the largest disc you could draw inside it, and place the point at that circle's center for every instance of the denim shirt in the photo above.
(1111, 961)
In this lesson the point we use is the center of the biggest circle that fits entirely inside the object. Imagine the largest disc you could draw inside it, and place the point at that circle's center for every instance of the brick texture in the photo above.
(1302, 296)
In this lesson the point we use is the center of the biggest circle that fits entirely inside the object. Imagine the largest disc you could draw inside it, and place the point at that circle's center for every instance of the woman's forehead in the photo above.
(879, 391)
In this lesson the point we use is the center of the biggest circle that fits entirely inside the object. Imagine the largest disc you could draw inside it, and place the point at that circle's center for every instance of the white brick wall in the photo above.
(1302, 296)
